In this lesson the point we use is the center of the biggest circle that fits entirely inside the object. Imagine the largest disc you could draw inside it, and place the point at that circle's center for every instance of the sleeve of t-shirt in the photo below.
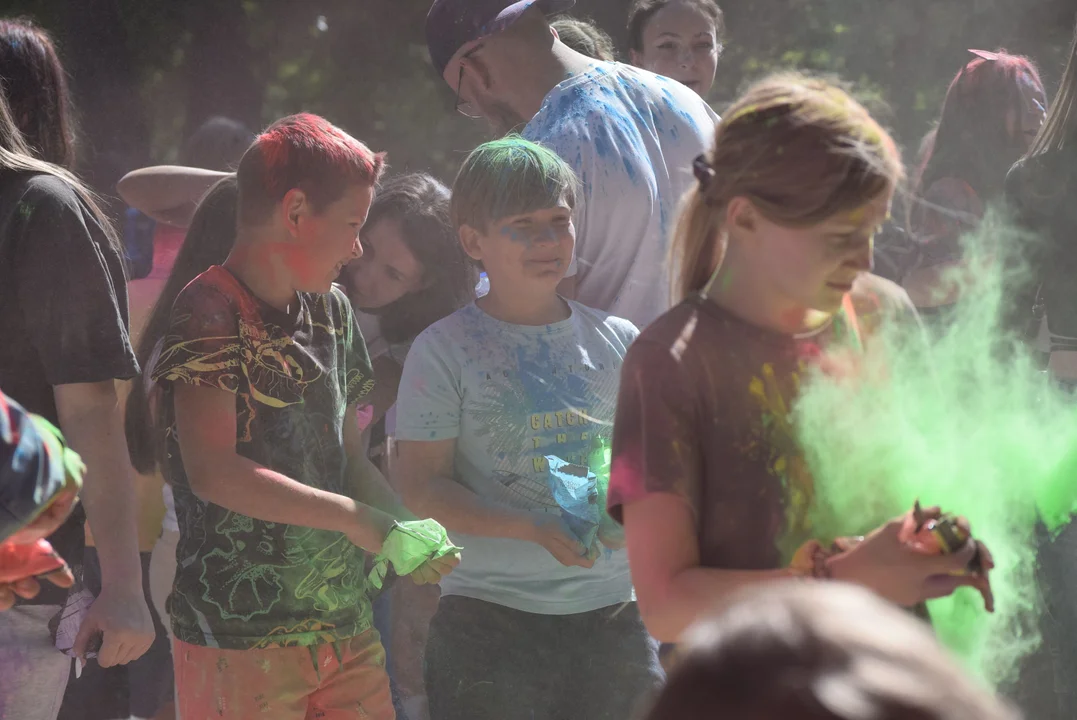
(359, 372)
(71, 288)
(429, 402)
(655, 442)
(202, 347)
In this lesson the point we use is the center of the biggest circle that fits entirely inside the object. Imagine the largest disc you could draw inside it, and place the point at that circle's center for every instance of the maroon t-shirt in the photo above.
(703, 413)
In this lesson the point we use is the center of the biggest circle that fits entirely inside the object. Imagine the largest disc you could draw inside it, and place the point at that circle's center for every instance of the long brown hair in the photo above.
(973, 141)
(210, 238)
(800, 149)
(1060, 127)
(16, 156)
(36, 89)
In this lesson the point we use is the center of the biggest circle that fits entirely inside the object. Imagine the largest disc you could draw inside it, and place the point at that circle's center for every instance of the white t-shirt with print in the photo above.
(631, 136)
(512, 396)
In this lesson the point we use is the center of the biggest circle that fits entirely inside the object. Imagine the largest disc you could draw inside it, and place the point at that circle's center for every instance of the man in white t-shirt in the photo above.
(630, 136)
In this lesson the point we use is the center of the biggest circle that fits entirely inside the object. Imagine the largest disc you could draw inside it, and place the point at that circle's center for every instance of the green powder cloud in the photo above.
(964, 419)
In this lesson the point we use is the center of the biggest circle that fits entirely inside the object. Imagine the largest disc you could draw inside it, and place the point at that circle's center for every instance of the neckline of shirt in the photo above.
(551, 329)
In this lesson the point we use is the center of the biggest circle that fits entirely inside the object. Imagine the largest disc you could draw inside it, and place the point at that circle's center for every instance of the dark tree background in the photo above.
(146, 73)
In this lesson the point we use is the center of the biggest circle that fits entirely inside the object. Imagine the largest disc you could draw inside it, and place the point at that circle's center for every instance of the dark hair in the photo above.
(17, 156)
(210, 237)
(972, 142)
(642, 11)
(585, 37)
(36, 89)
(421, 205)
(819, 651)
(1060, 127)
(303, 152)
(218, 144)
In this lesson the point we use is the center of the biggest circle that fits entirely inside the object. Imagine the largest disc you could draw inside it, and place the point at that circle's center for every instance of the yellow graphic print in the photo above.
(785, 459)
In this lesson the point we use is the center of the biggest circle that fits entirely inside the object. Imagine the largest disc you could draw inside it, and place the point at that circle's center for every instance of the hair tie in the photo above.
(703, 171)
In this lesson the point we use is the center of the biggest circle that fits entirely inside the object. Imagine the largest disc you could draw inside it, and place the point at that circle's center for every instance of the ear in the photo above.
(470, 242)
(292, 208)
(553, 31)
(741, 217)
(635, 58)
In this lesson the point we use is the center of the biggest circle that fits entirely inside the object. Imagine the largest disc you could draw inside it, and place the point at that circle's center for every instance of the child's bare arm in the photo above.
(167, 193)
(367, 483)
(424, 473)
(206, 420)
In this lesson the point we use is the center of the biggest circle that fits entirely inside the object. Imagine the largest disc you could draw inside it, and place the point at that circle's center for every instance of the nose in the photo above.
(357, 249)
(546, 235)
(686, 58)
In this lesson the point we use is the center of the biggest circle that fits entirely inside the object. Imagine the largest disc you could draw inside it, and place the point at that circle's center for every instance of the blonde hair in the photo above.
(819, 651)
(800, 149)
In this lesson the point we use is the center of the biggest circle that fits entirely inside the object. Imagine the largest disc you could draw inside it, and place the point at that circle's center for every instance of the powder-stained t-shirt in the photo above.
(63, 312)
(631, 137)
(511, 395)
(703, 413)
(243, 583)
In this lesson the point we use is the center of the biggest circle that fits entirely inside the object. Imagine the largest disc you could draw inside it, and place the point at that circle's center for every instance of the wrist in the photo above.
(521, 526)
(841, 567)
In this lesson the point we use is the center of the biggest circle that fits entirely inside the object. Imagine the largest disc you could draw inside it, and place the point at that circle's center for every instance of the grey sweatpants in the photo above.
(33, 673)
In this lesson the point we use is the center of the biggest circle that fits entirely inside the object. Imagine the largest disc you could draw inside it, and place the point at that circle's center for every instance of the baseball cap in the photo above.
(451, 24)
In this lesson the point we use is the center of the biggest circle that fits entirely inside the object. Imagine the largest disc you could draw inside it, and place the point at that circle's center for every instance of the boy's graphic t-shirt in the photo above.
(243, 583)
(704, 413)
(631, 137)
(512, 396)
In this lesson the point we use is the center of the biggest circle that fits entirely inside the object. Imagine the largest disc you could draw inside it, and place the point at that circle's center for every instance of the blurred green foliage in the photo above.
(167, 65)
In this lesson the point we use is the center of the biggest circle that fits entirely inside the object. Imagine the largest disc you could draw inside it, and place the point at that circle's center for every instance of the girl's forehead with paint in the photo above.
(871, 214)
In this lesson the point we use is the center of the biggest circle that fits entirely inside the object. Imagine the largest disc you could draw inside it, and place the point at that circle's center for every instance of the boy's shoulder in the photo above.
(452, 328)
(623, 329)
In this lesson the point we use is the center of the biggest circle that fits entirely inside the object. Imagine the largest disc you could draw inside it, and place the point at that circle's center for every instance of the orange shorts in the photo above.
(345, 680)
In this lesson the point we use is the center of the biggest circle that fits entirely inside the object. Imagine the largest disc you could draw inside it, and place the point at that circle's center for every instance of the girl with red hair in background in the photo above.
(992, 112)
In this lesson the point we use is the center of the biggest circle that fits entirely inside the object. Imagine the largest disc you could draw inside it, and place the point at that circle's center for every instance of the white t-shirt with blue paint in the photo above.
(512, 395)
(631, 136)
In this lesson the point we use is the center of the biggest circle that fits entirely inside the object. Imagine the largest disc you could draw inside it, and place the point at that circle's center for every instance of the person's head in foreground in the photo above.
(680, 39)
(497, 56)
(788, 202)
(305, 188)
(585, 37)
(993, 110)
(512, 208)
(413, 271)
(819, 651)
(35, 86)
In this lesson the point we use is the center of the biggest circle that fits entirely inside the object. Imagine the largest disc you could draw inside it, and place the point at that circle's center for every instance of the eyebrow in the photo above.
(670, 33)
